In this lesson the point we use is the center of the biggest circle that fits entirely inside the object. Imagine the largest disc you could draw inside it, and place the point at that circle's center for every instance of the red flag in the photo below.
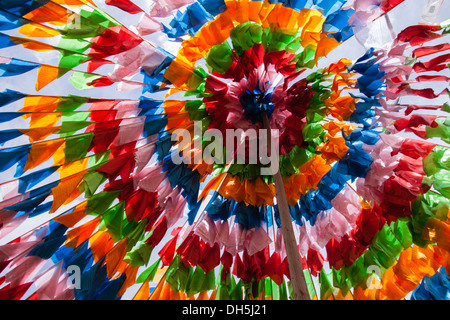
(125, 5)
(418, 35)
(424, 51)
(315, 261)
(168, 251)
(387, 5)
(14, 293)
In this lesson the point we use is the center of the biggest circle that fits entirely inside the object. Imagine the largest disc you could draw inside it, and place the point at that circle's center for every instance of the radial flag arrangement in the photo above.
(118, 180)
